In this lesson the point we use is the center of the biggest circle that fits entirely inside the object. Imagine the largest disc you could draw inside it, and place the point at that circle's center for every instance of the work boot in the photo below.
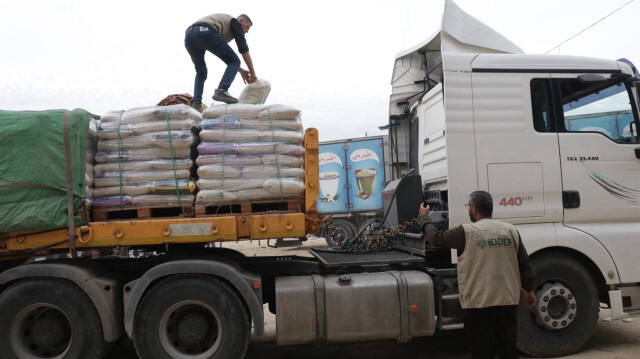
(223, 96)
(197, 106)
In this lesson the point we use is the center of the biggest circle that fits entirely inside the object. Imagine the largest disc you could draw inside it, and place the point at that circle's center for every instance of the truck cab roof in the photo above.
(464, 43)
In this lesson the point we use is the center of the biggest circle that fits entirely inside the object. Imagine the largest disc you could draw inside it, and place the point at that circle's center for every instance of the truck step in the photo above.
(129, 212)
(455, 326)
(247, 207)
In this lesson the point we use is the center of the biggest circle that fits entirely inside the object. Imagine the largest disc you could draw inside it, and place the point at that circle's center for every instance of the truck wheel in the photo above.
(48, 318)
(566, 311)
(342, 229)
(193, 317)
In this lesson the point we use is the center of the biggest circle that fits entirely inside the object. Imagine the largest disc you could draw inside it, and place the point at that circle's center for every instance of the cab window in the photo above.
(602, 107)
(542, 104)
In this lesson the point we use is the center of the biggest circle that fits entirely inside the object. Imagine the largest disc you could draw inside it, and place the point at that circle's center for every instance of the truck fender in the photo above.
(547, 236)
(103, 292)
(242, 281)
(590, 247)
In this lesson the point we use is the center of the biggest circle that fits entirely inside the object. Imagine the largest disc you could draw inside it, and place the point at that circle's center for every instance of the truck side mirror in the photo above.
(589, 78)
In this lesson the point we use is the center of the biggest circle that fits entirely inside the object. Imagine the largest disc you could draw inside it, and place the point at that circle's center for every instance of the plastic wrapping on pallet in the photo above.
(249, 153)
(143, 149)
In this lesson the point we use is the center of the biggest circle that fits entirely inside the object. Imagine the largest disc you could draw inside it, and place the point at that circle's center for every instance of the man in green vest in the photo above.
(212, 33)
(493, 266)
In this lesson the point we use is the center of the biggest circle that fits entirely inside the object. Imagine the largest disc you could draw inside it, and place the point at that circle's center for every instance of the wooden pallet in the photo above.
(130, 212)
(247, 207)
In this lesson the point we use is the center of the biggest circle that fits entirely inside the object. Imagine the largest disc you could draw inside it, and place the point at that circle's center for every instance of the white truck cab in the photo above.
(555, 141)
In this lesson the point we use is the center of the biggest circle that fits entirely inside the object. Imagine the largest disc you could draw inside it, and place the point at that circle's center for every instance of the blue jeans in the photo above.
(197, 43)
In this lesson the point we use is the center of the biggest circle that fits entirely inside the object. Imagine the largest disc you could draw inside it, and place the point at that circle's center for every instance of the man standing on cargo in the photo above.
(212, 33)
(493, 266)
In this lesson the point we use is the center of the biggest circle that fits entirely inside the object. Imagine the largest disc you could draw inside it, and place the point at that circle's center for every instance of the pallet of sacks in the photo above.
(144, 162)
(248, 154)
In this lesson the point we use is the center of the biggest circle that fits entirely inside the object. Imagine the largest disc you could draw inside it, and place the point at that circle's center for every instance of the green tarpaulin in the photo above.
(33, 185)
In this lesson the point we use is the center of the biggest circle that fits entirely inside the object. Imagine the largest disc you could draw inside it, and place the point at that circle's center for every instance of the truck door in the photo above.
(517, 150)
(597, 123)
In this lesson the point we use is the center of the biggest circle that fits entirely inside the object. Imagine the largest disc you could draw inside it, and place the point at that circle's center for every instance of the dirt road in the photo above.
(612, 340)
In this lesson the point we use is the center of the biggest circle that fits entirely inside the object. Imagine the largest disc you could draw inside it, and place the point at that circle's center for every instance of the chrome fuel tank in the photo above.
(354, 307)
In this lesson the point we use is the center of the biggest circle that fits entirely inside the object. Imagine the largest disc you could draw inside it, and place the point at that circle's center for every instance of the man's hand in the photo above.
(424, 210)
(246, 76)
(252, 78)
(529, 300)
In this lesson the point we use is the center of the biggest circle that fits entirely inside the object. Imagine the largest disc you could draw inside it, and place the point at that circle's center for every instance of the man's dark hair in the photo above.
(483, 202)
(245, 17)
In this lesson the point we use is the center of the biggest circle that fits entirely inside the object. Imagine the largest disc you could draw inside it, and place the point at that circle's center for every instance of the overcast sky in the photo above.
(332, 59)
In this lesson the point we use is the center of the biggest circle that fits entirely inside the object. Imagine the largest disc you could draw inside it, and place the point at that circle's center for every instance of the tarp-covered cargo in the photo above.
(33, 171)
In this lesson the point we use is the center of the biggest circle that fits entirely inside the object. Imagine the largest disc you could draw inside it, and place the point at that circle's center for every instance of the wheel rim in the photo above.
(41, 330)
(556, 306)
(190, 329)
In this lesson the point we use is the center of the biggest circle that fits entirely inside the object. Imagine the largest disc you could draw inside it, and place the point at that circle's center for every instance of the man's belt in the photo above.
(202, 24)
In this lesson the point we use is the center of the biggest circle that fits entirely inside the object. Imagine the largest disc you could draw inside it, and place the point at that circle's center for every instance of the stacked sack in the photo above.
(145, 157)
(250, 152)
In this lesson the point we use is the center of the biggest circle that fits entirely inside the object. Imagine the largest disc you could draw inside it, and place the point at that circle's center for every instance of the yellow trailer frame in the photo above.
(138, 232)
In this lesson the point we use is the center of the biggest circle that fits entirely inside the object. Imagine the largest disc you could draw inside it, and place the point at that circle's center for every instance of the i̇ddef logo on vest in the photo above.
(494, 242)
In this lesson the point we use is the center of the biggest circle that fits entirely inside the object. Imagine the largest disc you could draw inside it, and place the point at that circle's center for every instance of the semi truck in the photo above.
(353, 173)
(469, 112)
(554, 140)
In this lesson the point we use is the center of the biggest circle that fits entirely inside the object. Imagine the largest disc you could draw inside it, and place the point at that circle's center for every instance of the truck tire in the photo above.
(49, 318)
(341, 227)
(566, 313)
(191, 317)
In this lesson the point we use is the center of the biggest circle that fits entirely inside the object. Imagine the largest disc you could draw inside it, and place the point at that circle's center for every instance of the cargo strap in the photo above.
(403, 296)
(69, 180)
(321, 315)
